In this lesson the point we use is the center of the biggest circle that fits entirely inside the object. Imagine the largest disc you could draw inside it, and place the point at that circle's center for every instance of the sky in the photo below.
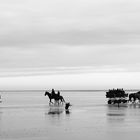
(76, 44)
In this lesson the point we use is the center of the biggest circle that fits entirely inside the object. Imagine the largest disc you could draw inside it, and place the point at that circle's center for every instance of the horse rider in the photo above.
(58, 93)
(53, 92)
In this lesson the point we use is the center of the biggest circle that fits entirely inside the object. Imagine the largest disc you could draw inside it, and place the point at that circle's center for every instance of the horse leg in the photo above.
(134, 99)
(56, 102)
(60, 101)
(130, 99)
(139, 100)
(50, 101)
(63, 100)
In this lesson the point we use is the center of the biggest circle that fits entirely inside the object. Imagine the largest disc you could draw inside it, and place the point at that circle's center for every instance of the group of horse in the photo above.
(57, 98)
(134, 96)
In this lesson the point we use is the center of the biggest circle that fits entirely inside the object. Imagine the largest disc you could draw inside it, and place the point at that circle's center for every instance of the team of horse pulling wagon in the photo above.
(120, 97)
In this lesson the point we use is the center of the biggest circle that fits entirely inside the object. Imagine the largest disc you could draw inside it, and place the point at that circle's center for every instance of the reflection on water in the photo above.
(123, 122)
(55, 111)
(116, 114)
(127, 117)
(116, 111)
(112, 114)
(134, 105)
(55, 116)
(58, 111)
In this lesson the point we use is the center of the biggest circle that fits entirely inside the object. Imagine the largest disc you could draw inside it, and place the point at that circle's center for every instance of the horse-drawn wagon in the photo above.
(117, 97)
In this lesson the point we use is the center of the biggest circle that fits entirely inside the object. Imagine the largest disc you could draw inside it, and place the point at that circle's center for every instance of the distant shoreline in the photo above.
(43, 90)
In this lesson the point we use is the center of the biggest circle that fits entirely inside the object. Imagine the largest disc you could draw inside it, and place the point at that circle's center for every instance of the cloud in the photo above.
(53, 34)
(18, 72)
(63, 59)
(69, 23)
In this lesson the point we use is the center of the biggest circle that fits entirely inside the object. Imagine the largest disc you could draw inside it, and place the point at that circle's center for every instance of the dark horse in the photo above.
(134, 96)
(56, 97)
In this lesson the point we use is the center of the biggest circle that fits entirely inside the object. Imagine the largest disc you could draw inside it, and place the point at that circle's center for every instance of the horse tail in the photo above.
(63, 99)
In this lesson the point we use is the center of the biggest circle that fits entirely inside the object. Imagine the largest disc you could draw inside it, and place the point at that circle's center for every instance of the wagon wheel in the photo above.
(109, 101)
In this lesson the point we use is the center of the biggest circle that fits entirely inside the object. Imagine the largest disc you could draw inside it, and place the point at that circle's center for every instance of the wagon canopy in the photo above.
(113, 93)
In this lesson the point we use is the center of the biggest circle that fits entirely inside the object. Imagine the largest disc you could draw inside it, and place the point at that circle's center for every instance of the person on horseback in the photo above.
(53, 92)
(58, 93)
(55, 96)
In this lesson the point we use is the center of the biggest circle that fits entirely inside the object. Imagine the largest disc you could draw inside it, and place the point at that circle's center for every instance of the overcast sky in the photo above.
(60, 37)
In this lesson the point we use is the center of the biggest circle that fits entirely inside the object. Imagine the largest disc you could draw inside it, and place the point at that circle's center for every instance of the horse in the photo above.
(134, 96)
(56, 97)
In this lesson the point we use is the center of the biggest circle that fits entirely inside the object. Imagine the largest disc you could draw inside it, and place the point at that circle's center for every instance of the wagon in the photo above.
(116, 97)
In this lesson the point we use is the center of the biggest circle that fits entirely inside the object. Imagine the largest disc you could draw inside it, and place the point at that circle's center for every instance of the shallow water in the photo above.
(25, 116)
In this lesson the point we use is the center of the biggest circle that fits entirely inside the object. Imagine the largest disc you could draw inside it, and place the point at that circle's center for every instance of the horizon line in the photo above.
(63, 90)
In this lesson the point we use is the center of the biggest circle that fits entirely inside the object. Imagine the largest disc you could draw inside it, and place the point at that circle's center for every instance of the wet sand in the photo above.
(89, 118)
